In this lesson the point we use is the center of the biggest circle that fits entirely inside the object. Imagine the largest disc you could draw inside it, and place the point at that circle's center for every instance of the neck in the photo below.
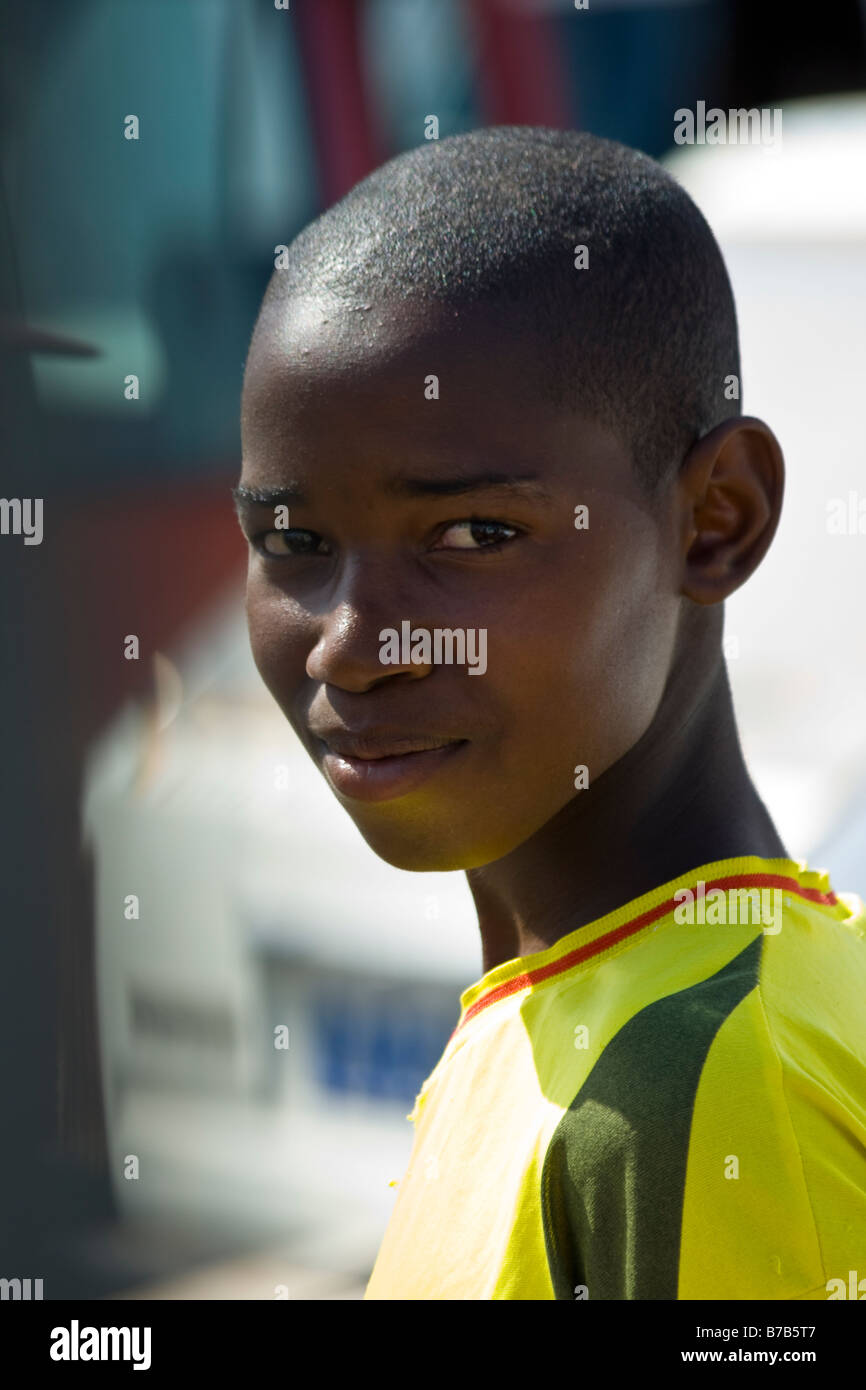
(679, 798)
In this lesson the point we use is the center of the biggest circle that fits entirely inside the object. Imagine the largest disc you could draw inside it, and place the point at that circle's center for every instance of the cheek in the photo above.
(631, 644)
(276, 637)
(605, 646)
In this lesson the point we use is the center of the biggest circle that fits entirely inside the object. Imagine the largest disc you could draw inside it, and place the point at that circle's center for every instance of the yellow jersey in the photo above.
(669, 1103)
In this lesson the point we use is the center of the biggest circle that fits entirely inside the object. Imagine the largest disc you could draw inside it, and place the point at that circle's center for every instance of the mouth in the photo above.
(382, 776)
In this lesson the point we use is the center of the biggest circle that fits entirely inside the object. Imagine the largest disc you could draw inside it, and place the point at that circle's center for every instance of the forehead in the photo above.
(317, 346)
(407, 378)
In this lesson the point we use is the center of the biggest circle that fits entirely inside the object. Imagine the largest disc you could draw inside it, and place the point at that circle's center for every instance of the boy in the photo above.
(491, 387)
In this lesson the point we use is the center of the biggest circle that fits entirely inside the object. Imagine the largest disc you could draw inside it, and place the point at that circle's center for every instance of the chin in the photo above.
(422, 850)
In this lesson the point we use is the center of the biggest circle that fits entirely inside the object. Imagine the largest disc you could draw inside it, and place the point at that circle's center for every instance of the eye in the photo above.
(476, 533)
(479, 525)
(280, 544)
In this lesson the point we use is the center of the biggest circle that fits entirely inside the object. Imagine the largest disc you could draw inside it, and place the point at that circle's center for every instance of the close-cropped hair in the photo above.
(587, 253)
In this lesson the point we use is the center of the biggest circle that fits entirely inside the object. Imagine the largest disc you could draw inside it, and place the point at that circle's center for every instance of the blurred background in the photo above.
(178, 882)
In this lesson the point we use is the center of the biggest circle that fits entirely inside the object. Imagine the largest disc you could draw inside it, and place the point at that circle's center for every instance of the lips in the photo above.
(372, 746)
(383, 765)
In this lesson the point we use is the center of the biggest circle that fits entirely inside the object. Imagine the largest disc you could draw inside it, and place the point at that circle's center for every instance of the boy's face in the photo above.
(580, 623)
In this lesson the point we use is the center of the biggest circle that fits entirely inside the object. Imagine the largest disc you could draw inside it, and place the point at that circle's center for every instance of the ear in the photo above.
(729, 495)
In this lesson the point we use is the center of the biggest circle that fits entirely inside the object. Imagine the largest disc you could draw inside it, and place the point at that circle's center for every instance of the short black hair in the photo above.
(642, 340)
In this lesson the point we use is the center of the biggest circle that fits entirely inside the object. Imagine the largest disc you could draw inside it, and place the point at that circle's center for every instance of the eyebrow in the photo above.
(526, 485)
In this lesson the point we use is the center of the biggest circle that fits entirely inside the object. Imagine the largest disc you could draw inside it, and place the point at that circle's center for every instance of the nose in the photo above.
(348, 636)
